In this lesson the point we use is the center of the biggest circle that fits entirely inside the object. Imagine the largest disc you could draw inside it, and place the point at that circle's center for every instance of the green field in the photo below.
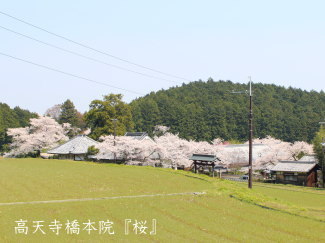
(227, 212)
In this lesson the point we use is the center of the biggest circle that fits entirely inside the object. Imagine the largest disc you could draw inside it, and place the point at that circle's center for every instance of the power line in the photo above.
(83, 56)
(92, 48)
(68, 74)
(71, 75)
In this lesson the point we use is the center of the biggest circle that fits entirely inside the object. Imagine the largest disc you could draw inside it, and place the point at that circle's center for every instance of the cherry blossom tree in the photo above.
(43, 133)
(54, 112)
(124, 147)
(169, 147)
(232, 157)
(86, 132)
(278, 150)
(174, 149)
(300, 148)
(160, 130)
(217, 141)
(275, 151)
(179, 150)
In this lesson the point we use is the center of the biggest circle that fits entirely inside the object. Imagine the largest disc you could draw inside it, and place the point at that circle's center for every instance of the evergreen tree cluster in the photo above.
(67, 113)
(318, 143)
(11, 118)
(102, 112)
(198, 111)
(206, 110)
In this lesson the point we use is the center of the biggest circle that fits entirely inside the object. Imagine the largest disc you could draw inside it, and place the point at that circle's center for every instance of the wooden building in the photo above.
(205, 160)
(302, 173)
(74, 149)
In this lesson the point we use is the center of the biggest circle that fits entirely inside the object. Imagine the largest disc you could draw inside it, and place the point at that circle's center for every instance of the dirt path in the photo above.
(100, 198)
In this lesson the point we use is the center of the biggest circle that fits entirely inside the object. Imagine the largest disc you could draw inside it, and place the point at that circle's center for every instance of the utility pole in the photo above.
(114, 122)
(323, 150)
(250, 127)
(250, 157)
(323, 164)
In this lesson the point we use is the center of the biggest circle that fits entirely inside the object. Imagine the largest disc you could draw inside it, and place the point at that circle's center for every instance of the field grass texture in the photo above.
(227, 212)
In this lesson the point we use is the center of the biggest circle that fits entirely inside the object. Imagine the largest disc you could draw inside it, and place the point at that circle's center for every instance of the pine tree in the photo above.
(68, 113)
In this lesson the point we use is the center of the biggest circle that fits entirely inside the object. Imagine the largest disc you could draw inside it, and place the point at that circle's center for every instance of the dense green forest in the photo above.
(206, 110)
(10, 118)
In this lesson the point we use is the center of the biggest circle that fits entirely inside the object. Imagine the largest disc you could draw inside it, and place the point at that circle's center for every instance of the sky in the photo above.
(280, 42)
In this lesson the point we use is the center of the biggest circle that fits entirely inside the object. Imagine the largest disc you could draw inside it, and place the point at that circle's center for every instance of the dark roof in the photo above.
(204, 157)
(294, 166)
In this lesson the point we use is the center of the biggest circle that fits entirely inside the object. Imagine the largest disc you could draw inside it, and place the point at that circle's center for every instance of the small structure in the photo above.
(205, 160)
(138, 135)
(302, 173)
(74, 149)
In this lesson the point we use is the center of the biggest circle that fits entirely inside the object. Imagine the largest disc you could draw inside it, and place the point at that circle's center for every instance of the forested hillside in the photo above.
(206, 110)
(10, 118)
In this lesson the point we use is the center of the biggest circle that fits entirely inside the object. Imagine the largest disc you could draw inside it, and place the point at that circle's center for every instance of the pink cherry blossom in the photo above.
(43, 133)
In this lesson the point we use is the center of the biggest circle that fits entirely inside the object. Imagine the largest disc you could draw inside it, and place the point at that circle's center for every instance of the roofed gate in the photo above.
(205, 160)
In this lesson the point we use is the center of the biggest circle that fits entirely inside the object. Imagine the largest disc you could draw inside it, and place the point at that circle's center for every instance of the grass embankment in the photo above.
(228, 212)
